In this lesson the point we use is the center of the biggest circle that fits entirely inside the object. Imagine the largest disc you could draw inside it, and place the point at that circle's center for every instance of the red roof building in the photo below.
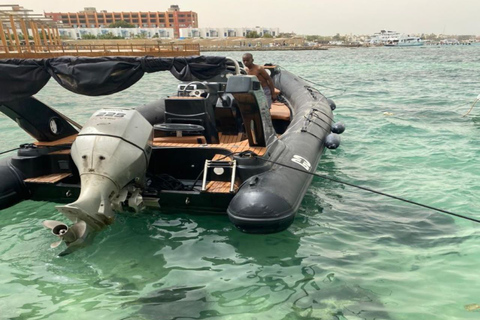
(90, 18)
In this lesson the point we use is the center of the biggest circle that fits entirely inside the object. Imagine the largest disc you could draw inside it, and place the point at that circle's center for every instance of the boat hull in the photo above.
(268, 202)
(12, 188)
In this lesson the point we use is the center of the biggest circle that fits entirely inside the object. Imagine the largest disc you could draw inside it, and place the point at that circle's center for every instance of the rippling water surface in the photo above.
(349, 254)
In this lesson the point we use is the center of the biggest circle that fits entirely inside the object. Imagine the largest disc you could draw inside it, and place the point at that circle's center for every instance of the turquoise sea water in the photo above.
(349, 254)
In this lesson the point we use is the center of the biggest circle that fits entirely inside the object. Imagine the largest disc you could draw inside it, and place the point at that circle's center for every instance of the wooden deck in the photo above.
(233, 143)
(50, 178)
(65, 141)
(91, 50)
(220, 187)
(228, 142)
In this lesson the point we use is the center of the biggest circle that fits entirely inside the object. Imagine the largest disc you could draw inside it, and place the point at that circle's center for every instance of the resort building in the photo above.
(125, 33)
(207, 33)
(166, 33)
(89, 18)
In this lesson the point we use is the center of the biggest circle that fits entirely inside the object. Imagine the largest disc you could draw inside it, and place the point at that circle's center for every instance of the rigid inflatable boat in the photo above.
(213, 146)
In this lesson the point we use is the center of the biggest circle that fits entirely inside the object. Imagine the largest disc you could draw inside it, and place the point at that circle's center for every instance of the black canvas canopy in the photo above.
(22, 78)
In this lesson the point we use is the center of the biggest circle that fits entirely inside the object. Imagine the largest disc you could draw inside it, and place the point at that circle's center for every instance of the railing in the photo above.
(95, 50)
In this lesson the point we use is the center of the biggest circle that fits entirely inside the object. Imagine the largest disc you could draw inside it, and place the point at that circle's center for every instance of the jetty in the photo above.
(27, 35)
(97, 50)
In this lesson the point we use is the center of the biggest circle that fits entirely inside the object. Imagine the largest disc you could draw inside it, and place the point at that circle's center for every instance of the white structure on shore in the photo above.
(223, 33)
(79, 33)
(168, 33)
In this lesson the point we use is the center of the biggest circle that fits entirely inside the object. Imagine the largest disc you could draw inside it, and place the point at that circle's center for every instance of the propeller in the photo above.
(73, 236)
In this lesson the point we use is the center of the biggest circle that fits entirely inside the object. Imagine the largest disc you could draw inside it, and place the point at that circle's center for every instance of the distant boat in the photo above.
(450, 41)
(394, 39)
(383, 37)
(405, 41)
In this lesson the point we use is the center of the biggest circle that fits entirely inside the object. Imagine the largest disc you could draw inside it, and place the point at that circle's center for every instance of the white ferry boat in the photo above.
(405, 41)
(384, 36)
(394, 39)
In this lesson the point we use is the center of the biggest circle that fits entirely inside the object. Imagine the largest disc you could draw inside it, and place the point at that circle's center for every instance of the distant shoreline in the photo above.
(214, 45)
(263, 48)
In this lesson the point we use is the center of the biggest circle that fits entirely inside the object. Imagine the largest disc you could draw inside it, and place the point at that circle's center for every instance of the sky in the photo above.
(305, 17)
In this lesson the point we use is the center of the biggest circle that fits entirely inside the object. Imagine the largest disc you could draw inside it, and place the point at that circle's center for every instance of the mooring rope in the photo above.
(7, 151)
(249, 153)
(473, 104)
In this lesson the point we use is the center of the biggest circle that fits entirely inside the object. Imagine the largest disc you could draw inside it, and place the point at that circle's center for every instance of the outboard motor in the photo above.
(111, 153)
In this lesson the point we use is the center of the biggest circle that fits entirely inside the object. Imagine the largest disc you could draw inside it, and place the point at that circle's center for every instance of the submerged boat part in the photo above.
(74, 237)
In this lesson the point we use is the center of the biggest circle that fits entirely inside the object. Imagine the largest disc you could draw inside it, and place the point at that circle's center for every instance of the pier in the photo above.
(27, 35)
(97, 50)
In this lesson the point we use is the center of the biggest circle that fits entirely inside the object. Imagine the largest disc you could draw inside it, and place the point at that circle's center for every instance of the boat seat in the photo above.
(279, 111)
(192, 110)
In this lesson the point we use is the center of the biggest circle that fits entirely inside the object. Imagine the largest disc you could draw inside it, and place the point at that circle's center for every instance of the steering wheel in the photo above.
(197, 93)
(236, 65)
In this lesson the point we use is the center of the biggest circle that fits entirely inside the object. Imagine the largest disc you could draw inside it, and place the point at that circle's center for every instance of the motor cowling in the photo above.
(111, 153)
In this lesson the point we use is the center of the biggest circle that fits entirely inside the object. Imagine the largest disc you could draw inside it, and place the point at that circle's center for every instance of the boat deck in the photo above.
(232, 143)
(49, 178)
